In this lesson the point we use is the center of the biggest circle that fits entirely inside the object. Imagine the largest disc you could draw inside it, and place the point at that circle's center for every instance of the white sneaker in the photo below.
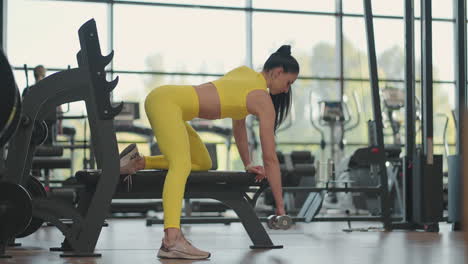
(129, 153)
(181, 249)
(129, 160)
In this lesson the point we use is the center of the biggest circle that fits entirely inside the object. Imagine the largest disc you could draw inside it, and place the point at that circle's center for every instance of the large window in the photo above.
(173, 42)
(195, 41)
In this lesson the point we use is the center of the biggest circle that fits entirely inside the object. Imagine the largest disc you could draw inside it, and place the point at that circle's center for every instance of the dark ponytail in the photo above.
(282, 102)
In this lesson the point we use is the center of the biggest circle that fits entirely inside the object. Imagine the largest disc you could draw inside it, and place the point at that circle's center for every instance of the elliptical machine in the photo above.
(336, 116)
(361, 167)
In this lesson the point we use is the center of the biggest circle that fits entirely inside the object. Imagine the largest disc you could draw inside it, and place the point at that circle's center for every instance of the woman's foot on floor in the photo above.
(181, 249)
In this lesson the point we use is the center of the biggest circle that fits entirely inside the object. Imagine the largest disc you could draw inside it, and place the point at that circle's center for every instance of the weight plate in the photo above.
(36, 190)
(11, 129)
(10, 102)
(15, 210)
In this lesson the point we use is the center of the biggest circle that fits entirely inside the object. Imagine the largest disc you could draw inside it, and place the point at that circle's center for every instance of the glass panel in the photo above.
(214, 42)
(388, 44)
(442, 51)
(353, 6)
(444, 103)
(358, 99)
(320, 6)
(355, 48)
(379, 7)
(444, 123)
(39, 34)
(230, 3)
(440, 9)
(315, 50)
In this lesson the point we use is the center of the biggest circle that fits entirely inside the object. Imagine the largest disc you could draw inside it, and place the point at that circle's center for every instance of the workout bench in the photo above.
(228, 187)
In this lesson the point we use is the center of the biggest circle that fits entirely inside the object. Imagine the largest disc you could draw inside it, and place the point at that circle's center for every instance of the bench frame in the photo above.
(228, 187)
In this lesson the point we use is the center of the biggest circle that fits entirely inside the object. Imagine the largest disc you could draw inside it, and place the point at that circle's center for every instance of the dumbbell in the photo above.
(279, 222)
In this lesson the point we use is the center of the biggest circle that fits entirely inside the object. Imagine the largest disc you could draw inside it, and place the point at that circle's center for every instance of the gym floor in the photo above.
(130, 241)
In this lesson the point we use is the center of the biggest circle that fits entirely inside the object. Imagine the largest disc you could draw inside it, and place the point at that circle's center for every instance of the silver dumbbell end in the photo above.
(284, 222)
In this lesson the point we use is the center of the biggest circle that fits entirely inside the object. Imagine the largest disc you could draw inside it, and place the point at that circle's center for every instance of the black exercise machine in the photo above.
(87, 83)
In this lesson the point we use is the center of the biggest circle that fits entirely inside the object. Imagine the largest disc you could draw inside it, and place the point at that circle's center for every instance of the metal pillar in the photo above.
(339, 46)
(460, 67)
(374, 82)
(410, 113)
(426, 81)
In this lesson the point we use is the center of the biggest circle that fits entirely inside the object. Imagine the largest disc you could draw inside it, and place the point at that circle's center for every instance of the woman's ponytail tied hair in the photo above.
(285, 50)
(282, 58)
(282, 102)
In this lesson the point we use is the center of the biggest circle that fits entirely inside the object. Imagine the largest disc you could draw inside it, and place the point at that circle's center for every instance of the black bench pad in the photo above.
(147, 181)
(51, 163)
(48, 151)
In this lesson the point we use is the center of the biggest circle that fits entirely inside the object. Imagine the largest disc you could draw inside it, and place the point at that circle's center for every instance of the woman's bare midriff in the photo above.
(208, 101)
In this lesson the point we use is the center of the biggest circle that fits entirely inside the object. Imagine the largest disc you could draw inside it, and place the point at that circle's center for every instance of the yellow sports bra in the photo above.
(233, 89)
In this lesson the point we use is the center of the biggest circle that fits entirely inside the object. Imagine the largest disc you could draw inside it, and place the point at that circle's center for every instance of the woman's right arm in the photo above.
(259, 103)
(240, 135)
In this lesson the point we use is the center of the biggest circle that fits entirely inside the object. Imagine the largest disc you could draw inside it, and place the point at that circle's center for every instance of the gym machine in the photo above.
(12, 196)
(334, 115)
(87, 83)
(422, 170)
(359, 167)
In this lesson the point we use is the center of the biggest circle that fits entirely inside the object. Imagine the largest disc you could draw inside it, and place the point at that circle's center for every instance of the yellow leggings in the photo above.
(168, 108)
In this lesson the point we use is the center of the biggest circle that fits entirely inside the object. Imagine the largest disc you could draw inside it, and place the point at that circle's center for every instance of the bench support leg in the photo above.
(253, 226)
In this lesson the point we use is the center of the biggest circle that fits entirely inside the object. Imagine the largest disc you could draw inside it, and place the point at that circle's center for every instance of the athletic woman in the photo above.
(240, 92)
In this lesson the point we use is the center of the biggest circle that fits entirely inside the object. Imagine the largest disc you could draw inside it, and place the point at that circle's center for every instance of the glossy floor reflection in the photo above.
(130, 241)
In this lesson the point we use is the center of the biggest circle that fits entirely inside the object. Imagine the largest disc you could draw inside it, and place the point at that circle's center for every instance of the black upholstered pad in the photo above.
(153, 180)
(48, 151)
(51, 163)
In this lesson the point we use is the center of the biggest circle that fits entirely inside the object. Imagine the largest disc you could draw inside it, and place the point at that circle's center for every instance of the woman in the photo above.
(240, 92)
